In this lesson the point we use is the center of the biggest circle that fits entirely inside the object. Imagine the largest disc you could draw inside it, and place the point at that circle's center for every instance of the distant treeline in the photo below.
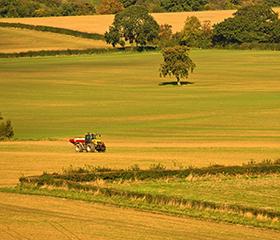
(43, 8)
(195, 5)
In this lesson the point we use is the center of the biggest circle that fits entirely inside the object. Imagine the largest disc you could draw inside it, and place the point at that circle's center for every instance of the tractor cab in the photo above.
(89, 137)
(92, 137)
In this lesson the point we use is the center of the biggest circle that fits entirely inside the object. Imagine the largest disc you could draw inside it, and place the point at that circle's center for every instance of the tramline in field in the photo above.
(90, 143)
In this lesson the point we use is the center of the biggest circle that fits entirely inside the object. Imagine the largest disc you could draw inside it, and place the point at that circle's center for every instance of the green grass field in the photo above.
(256, 191)
(234, 96)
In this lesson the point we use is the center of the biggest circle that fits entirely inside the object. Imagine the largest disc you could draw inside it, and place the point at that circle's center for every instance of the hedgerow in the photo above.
(65, 31)
(150, 174)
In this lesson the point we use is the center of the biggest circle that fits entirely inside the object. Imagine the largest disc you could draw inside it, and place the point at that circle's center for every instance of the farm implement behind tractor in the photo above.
(90, 143)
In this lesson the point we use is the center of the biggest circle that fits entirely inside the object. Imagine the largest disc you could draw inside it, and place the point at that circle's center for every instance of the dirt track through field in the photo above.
(34, 217)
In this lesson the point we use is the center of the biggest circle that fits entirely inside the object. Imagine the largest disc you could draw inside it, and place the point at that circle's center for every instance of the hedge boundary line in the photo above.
(89, 51)
(158, 199)
(58, 52)
(132, 175)
(42, 28)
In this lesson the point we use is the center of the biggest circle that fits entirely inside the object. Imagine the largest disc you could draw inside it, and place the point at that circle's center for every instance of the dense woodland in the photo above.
(41, 8)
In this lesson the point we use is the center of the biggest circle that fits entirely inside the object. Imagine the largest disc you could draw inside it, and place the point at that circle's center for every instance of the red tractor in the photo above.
(90, 143)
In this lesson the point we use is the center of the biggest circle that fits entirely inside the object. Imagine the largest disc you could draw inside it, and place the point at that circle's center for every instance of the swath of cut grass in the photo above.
(54, 217)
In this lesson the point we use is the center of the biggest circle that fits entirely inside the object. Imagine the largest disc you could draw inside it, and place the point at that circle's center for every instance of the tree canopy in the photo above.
(250, 24)
(177, 63)
(134, 25)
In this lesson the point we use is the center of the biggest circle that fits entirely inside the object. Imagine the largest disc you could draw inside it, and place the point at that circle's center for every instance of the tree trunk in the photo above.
(178, 81)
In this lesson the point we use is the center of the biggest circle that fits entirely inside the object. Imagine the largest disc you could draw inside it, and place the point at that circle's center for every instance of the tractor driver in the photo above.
(88, 138)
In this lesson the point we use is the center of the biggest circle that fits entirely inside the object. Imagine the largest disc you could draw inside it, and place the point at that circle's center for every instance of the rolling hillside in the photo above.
(22, 40)
(100, 23)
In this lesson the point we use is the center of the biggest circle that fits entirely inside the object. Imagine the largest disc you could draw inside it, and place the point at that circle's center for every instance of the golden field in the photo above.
(34, 157)
(36, 217)
(100, 23)
(22, 40)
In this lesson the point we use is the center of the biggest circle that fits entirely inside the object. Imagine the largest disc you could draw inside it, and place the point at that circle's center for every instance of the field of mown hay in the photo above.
(100, 23)
(22, 40)
(27, 217)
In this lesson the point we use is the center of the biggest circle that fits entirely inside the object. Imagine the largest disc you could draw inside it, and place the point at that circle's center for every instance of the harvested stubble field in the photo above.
(27, 217)
(34, 157)
(23, 40)
(100, 23)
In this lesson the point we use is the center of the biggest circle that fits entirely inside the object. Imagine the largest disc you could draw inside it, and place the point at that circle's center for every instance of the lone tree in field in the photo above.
(176, 63)
(6, 129)
(134, 25)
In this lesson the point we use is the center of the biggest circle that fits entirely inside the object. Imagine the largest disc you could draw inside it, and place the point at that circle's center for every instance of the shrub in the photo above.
(6, 129)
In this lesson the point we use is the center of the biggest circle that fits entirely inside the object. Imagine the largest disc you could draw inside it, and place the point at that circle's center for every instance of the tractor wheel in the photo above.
(101, 147)
(79, 148)
(90, 148)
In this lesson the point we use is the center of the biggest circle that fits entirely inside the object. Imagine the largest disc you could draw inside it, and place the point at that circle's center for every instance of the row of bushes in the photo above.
(74, 52)
(74, 33)
(157, 199)
(138, 174)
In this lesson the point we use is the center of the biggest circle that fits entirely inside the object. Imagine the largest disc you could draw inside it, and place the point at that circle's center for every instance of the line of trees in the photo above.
(6, 129)
(42, 8)
(194, 5)
(254, 24)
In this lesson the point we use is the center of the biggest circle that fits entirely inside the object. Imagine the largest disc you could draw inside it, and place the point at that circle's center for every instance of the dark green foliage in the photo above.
(177, 63)
(57, 52)
(251, 24)
(183, 5)
(133, 25)
(73, 52)
(43, 8)
(127, 3)
(196, 34)
(167, 38)
(6, 129)
(158, 172)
